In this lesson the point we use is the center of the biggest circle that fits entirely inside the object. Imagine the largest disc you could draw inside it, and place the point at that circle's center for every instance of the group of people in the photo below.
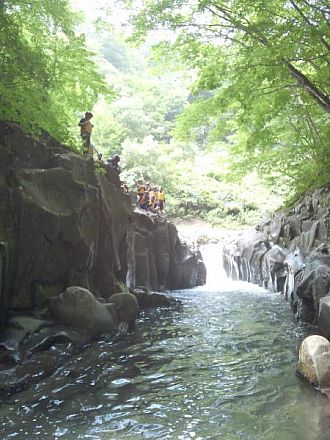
(150, 198)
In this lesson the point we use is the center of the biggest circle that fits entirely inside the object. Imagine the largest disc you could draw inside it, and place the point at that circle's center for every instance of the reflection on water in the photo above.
(223, 367)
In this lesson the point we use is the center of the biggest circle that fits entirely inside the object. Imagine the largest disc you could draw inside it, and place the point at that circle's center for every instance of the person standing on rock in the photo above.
(160, 199)
(113, 163)
(86, 128)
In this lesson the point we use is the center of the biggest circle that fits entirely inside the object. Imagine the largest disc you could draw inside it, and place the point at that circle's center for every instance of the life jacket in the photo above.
(85, 125)
(88, 126)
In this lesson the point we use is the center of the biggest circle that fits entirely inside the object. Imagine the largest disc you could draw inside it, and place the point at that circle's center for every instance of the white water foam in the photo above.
(216, 277)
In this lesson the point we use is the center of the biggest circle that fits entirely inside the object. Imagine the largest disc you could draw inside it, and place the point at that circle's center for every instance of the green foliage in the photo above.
(263, 87)
(139, 125)
(49, 78)
(184, 173)
(47, 74)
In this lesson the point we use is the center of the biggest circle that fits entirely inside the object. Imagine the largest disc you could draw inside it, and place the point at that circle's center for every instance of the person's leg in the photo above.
(88, 149)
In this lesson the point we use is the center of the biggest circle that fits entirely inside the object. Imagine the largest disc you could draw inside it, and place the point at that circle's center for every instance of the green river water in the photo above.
(220, 367)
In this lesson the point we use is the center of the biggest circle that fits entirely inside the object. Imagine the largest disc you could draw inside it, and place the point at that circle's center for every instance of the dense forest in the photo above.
(224, 104)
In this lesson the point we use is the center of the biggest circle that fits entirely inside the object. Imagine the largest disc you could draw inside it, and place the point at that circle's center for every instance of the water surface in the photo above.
(221, 367)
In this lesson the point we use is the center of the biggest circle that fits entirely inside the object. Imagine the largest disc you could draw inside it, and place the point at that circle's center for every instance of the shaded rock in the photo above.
(78, 307)
(127, 308)
(12, 337)
(14, 386)
(60, 233)
(5, 275)
(44, 293)
(161, 260)
(315, 283)
(324, 316)
(148, 299)
(273, 267)
(289, 254)
(65, 339)
(275, 228)
(56, 335)
(8, 357)
(64, 224)
(49, 341)
(314, 361)
(28, 324)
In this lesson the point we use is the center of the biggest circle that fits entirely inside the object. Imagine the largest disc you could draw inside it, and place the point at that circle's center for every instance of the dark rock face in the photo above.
(290, 254)
(63, 224)
(161, 260)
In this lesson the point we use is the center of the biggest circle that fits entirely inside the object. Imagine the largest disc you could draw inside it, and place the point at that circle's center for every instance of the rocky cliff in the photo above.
(290, 253)
(62, 223)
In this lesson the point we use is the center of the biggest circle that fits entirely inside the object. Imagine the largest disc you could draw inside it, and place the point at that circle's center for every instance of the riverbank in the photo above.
(290, 253)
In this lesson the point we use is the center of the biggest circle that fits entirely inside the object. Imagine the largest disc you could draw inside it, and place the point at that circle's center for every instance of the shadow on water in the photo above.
(222, 367)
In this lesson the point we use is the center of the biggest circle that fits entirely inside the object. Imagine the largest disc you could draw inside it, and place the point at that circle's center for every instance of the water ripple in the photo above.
(220, 368)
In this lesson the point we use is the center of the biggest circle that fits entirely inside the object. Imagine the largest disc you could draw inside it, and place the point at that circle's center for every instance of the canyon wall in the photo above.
(290, 253)
(64, 222)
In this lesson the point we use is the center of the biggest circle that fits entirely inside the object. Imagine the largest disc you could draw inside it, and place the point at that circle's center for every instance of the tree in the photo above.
(266, 65)
(146, 103)
(47, 74)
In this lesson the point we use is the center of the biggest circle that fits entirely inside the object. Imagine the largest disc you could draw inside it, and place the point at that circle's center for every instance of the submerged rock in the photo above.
(149, 299)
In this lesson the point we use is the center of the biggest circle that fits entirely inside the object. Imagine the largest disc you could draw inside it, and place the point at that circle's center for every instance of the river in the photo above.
(222, 366)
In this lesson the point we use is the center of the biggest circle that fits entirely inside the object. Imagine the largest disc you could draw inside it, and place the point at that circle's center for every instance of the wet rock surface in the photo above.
(290, 253)
(63, 224)
(162, 261)
(33, 348)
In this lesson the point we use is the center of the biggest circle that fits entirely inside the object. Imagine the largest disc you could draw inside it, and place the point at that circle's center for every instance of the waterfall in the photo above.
(212, 257)
(216, 277)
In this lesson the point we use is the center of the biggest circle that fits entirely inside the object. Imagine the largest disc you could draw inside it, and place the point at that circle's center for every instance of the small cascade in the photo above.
(216, 277)
(212, 257)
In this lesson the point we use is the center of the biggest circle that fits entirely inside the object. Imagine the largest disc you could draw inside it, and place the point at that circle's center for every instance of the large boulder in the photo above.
(314, 361)
(127, 308)
(78, 307)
